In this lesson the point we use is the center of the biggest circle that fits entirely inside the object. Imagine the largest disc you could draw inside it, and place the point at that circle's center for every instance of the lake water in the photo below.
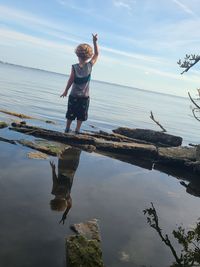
(114, 192)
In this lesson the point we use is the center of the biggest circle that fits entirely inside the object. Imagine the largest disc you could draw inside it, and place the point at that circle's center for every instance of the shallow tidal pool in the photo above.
(114, 192)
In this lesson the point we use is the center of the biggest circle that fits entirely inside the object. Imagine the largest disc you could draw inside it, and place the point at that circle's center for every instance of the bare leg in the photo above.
(68, 124)
(78, 126)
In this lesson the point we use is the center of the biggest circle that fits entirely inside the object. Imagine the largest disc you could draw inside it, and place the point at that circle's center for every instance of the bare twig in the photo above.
(195, 116)
(157, 122)
(193, 101)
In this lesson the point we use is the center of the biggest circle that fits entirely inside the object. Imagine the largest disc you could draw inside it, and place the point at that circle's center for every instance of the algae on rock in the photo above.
(83, 252)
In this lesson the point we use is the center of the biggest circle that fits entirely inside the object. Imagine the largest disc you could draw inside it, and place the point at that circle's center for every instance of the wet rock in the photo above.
(47, 147)
(89, 230)
(83, 249)
(177, 153)
(129, 150)
(82, 252)
(50, 122)
(132, 149)
(7, 140)
(198, 153)
(88, 148)
(155, 137)
(3, 124)
(37, 155)
(177, 157)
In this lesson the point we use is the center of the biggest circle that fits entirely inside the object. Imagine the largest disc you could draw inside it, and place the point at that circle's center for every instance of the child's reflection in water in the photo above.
(62, 183)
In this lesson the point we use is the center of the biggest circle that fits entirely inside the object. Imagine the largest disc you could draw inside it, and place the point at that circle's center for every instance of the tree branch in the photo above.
(157, 122)
(154, 223)
(193, 101)
(189, 62)
(193, 112)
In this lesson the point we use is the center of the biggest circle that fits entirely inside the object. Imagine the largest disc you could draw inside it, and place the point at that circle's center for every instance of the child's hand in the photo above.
(95, 37)
(64, 94)
(63, 218)
(52, 165)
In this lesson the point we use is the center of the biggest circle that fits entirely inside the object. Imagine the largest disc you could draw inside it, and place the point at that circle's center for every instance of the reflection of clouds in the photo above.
(173, 194)
(104, 188)
(124, 256)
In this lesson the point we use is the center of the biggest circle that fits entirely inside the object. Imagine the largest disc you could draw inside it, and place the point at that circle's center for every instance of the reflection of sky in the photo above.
(113, 192)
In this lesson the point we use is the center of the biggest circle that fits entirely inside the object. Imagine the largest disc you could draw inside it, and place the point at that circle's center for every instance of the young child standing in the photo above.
(78, 102)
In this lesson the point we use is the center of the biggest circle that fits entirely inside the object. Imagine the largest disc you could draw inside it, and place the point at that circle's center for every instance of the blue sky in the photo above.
(140, 40)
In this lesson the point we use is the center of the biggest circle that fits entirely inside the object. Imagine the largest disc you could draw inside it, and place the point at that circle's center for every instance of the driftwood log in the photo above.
(155, 137)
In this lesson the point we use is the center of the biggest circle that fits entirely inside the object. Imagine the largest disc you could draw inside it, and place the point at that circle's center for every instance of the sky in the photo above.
(140, 41)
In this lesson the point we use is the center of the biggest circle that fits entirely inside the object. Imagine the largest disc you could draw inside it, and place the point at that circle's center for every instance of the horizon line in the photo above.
(117, 84)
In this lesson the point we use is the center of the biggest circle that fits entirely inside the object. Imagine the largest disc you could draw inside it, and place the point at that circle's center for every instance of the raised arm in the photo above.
(96, 49)
(69, 205)
(53, 168)
(69, 83)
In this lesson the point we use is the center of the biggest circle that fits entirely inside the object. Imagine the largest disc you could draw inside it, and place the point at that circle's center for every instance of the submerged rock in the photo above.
(83, 252)
(48, 147)
(84, 248)
(24, 116)
(7, 140)
(19, 115)
(89, 230)
(37, 155)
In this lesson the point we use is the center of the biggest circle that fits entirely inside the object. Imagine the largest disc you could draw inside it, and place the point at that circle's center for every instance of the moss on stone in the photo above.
(83, 252)
(45, 147)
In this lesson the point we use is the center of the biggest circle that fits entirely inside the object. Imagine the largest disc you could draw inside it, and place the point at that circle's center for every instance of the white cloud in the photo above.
(13, 14)
(14, 36)
(184, 7)
(71, 4)
(132, 55)
(131, 65)
(128, 4)
(30, 21)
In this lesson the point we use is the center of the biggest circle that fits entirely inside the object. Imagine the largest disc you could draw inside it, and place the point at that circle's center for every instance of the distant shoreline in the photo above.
(62, 74)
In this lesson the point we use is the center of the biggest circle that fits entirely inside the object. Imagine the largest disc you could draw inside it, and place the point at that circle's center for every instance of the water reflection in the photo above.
(188, 239)
(193, 187)
(193, 183)
(62, 182)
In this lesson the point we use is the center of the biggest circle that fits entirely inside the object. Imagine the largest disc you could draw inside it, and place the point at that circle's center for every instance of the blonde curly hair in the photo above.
(84, 51)
(58, 204)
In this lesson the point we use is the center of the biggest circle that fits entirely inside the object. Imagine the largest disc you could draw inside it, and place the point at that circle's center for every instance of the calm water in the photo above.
(112, 191)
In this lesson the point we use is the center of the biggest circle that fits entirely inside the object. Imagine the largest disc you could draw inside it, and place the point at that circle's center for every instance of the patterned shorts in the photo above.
(77, 108)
